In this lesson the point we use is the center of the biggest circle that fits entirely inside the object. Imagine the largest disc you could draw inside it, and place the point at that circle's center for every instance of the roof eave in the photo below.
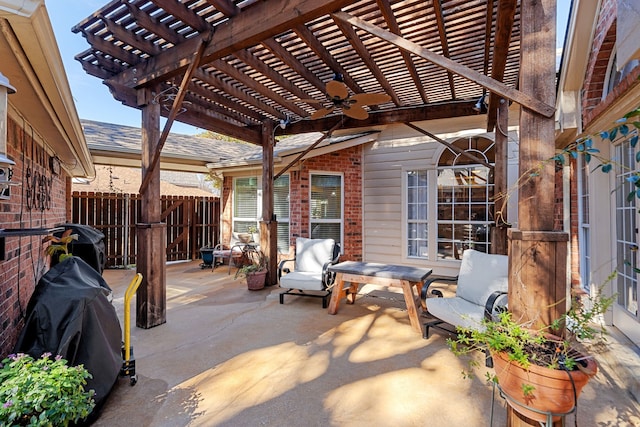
(34, 67)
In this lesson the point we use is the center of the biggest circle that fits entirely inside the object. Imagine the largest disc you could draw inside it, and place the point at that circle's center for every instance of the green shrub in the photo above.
(43, 392)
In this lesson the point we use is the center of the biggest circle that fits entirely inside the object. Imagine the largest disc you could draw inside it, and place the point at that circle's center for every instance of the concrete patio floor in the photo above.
(228, 356)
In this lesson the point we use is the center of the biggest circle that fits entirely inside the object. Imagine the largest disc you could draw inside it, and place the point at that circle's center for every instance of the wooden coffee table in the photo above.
(356, 273)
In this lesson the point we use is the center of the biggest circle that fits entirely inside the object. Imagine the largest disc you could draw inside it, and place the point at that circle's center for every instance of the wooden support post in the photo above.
(537, 255)
(499, 231)
(268, 225)
(151, 255)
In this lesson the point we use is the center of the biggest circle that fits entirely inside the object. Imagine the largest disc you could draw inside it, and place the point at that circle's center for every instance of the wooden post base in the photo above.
(538, 282)
(151, 306)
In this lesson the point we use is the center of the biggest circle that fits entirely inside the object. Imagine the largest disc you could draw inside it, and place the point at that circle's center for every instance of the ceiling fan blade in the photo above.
(355, 112)
(321, 113)
(371, 98)
(336, 89)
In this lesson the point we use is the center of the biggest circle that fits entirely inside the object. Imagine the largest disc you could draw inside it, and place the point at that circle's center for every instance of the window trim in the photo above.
(235, 218)
(342, 186)
(258, 218)
(405, 213)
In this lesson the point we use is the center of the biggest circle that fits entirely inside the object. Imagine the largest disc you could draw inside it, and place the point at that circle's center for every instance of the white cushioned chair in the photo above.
(481, 292)
(309, 277)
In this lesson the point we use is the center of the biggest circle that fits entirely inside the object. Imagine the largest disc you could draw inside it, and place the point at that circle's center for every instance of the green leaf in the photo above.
(613, 134)
(606, 168)
(632, 113)
(624, 130)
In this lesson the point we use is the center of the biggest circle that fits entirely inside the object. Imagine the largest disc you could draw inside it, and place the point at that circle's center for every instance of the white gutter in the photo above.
(44, 96)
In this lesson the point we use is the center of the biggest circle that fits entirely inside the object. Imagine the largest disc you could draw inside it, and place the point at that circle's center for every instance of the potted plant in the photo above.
(43, 392)
(60, 244)
(255, 236)
(541, 371)
(255, 270)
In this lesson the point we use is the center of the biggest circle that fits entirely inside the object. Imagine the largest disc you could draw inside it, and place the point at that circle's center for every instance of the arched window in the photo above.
(465, 197)
(615, 76)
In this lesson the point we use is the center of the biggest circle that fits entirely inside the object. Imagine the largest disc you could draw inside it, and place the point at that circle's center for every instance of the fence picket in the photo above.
(192, 222)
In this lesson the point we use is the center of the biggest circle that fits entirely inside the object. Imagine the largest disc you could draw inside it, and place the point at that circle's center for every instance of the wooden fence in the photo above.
(192, 222)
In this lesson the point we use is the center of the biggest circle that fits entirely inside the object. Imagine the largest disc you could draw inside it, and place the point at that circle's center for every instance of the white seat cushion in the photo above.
(304, 280)
(457, 312)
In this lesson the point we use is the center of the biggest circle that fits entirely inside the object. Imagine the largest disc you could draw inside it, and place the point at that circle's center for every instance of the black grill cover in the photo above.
(70, 314)
(90, 246)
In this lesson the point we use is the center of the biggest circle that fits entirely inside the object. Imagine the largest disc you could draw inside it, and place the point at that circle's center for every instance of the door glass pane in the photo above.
(326, 231)
(326, 207)
(326, 196)
(626, 225)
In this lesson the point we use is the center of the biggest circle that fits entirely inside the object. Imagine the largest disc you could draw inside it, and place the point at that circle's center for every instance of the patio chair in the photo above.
(235, 250)
(481, 292)
(310, 277)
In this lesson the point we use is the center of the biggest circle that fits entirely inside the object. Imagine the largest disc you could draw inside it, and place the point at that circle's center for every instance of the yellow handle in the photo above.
(129, 293)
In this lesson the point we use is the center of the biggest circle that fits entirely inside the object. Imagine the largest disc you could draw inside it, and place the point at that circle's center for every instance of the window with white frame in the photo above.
(326, 206)
(245, 204)
(614, 75)
(247, 201)
(583, 220)
(626, 229)
(465, 197)
(281, 210)
(417, 226)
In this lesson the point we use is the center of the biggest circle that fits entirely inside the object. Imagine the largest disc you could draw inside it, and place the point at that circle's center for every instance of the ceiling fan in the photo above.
(351, 106)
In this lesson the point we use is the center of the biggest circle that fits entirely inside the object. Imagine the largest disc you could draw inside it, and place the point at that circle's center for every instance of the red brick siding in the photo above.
(25, 259)
(593, 106)
(349, 163)
(603, 45)
(601, 48)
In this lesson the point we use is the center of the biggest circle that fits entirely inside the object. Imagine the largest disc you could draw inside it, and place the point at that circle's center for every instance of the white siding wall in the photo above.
(385, 162)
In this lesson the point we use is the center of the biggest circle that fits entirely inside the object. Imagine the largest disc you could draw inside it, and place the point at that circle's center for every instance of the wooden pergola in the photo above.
(241, 67)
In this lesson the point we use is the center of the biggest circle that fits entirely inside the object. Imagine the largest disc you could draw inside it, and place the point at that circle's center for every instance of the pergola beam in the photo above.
(504, 27)
(261, 21)
(177, 101)
(486, 82)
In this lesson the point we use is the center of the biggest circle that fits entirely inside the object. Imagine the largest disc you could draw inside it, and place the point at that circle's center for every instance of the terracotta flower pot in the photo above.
(553, 390)
(255, 281)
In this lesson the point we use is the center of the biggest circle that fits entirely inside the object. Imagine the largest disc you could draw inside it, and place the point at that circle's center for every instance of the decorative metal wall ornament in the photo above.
(37, 189)
(166, 97)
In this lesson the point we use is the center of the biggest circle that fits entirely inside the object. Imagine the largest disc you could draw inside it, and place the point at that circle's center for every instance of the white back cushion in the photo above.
(482, 274)
(312, 254)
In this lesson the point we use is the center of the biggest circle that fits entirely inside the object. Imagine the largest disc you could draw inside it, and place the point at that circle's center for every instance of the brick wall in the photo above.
(601, 48)
(349, 163)
(39, 202)
(603, 45)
